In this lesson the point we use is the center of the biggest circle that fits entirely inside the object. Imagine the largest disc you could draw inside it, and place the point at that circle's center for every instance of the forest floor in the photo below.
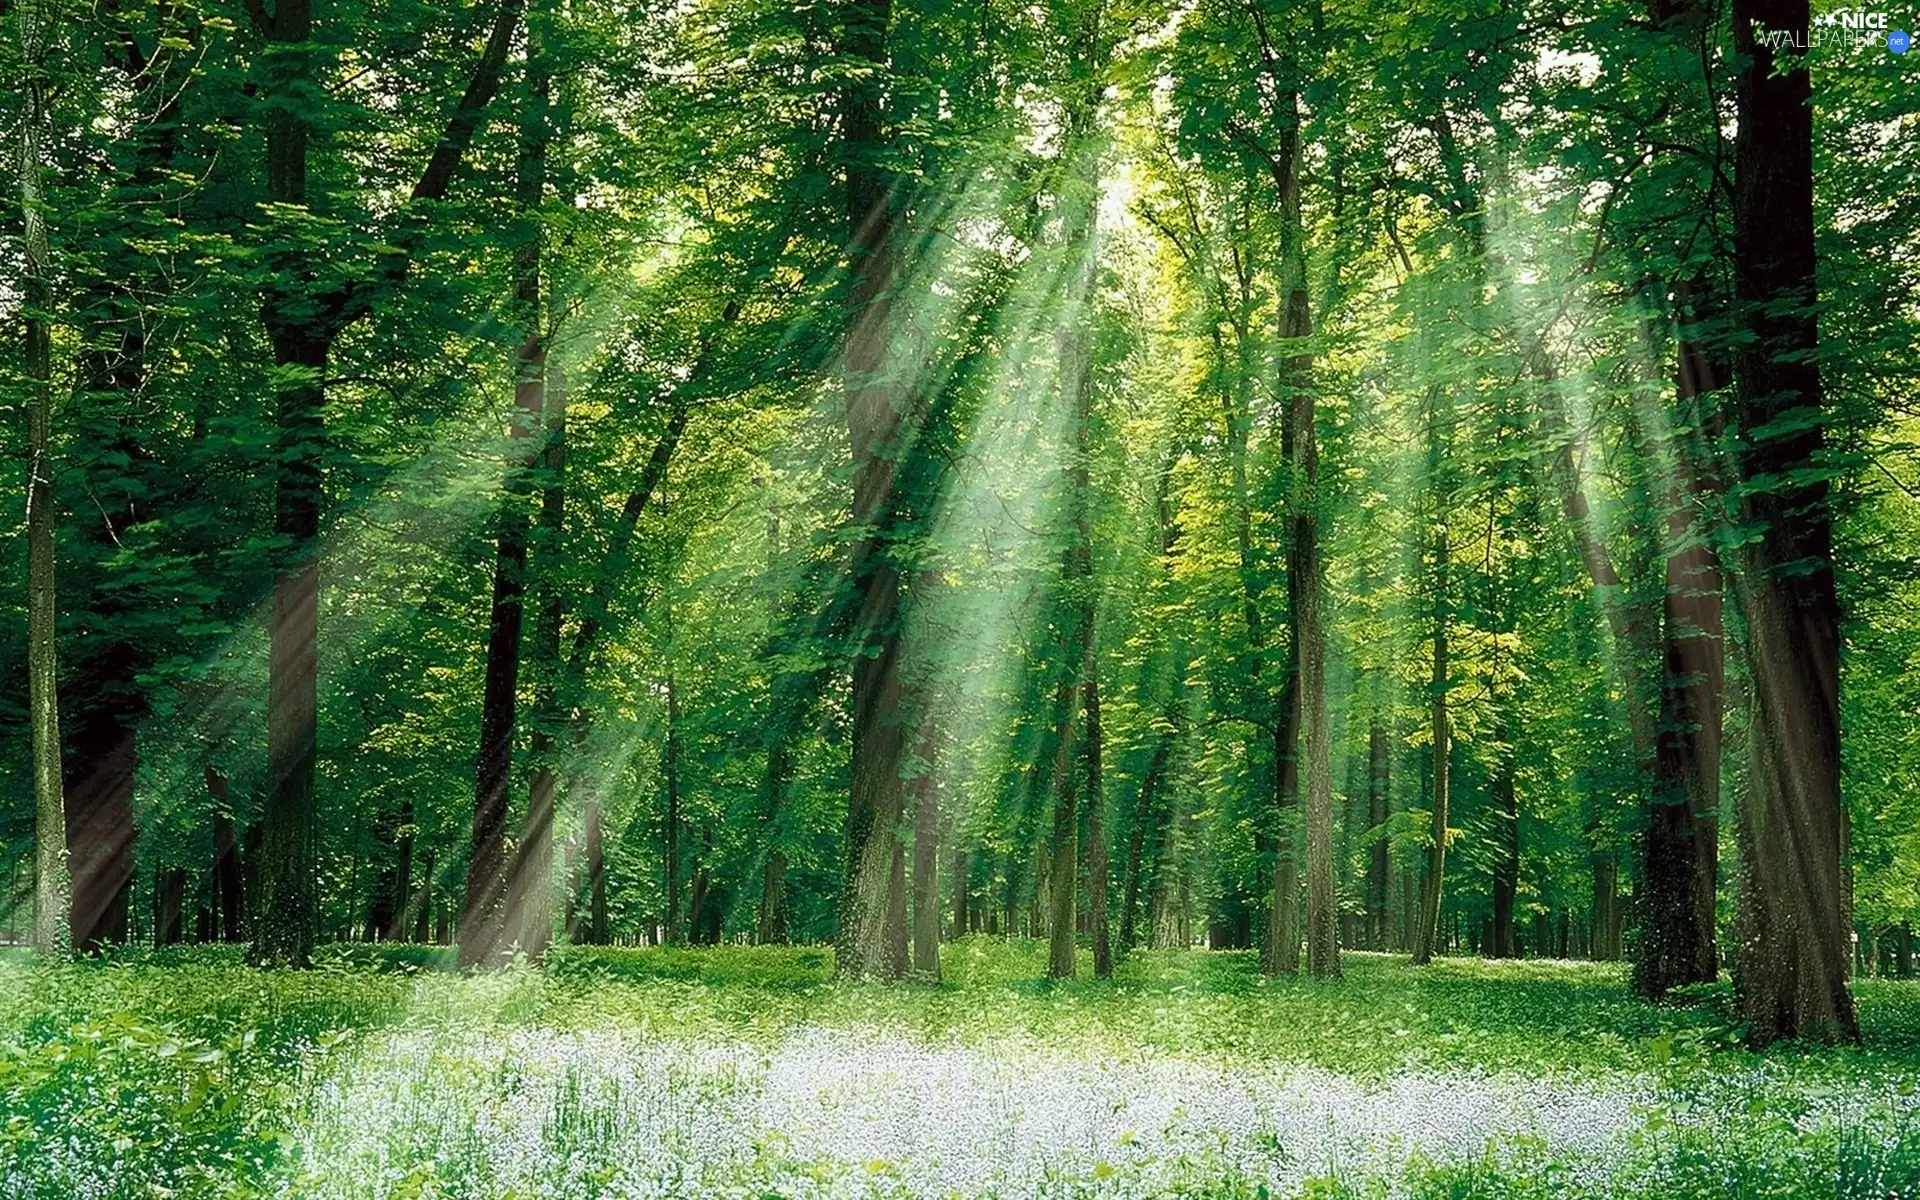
(752, 1073)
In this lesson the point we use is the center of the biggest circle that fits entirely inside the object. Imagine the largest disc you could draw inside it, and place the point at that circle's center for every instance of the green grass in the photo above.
(382, 1074)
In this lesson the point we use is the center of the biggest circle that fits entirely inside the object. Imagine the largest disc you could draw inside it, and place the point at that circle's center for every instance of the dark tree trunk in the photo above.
(288, 919)
(1427, 933)
(1145, 813)
(420, 906)
(52, 909)
(1059, 879)
(169, 904)
(1680, 848)
(773, 923)
(876, 799)
(1280, 950)
(1380, 848)
(1506, 866)
(487, 920)
(530, 883)
(302, 318)
(401, 893)
(926, 856)
(101, 765)
(597, 929)
(1096, 824)
(1791, 977)
(1304, 586)
(229, 900)
(670, 769)
(962, 913)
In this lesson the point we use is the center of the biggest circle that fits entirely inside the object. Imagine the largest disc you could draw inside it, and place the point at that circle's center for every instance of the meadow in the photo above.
(753, 1073)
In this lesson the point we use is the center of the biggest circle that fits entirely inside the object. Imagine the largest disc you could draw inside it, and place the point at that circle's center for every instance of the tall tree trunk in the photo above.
(169, 903)
(926, 855)
(874, 405)
(302, 318)
(52, 897)
(1145, 813)
(1097, 886)
(1680, 848)
(1427, 932)
(670, 770)
(1379, 848)
(597, 928)
(530, 884)
(963, 914)
(1791, 979)
(229, 901)
(484, 916)
(773, 923)
(489, 921)
(1059, 878)
(1304, 569)
(1506, 863)
(289, 904)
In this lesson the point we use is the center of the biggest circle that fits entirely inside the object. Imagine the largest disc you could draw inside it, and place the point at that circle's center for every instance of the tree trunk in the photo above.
(169, 903)
(1506, 866)
(772, 928)
(597, 929)
(963, 914)
(670, 771)
(53, 910)
(1380, 848)
(402, 890)
(1097, 887)
(1145, 814)
(1791, 979)
(926, 856)
(229, 899)
(489, 920)
(530, 883)
(301, 320)
(1680, 847)
(876, 799)
(1304, 568)
(1066, 837)
(1427, 932)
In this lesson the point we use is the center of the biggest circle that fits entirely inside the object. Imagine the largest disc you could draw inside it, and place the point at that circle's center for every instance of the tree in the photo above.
(52, 897)
(485, 916)
(303, 315)
(1791, 979)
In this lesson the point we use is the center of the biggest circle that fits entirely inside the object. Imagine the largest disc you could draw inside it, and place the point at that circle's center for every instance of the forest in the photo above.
(935, 598)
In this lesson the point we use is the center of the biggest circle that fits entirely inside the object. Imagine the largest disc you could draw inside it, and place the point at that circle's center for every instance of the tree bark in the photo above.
(670, 770)
(1097, 886)
(52, 898)
(1379, 849)
(1066, 837)
(876, 797)
(1791, 979)
(1427, 932)
(229, 899)
(302, 320)
(1304, 568)
(1506, 866)
(1680, 847)
(488, 923)
(530, 885)
(926, 855)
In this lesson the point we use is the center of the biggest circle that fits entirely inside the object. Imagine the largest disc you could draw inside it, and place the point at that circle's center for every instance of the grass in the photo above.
(752, 1072)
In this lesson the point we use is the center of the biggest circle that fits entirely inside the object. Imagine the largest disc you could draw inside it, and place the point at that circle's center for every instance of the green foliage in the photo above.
(187, 1070)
